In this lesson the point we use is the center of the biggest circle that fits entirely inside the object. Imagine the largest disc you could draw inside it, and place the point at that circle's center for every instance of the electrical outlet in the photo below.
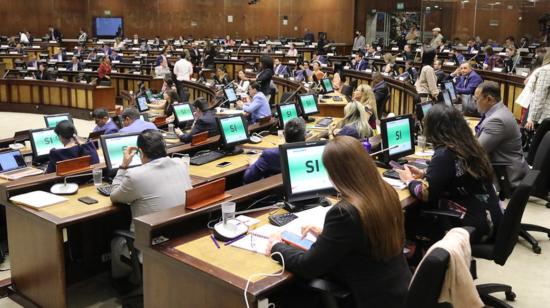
(263, 303)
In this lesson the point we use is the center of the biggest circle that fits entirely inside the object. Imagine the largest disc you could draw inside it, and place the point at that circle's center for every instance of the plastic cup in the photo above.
(98, 176)
(228, 211)
(421, 140)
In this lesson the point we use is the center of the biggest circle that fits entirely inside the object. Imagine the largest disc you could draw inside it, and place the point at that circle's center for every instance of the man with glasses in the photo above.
(499, 134)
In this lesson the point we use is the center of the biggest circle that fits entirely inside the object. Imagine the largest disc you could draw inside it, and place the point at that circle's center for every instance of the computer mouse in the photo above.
(255, 139)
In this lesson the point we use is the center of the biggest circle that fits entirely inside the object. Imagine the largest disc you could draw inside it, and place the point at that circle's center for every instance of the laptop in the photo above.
(13, 166)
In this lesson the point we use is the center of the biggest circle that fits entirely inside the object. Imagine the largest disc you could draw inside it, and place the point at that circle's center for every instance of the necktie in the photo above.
(478, 126)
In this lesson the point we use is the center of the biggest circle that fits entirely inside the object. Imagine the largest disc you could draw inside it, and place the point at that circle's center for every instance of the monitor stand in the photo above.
(386, 165)
(302, 205)
(308, 119)
(234, 150)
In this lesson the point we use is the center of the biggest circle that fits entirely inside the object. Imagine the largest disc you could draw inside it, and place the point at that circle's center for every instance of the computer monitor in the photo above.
(52, 119)
(233, 131)
(11, 160)
(447, 98)
(230, 95)
(308, 104)
(141, 103)
(422, 109)
(397, 136)
(42, 141)
(286, 113)
(449, 86)
(326, 83)
(149, 94)
(304, 175)
(113, 146)
(183, 114)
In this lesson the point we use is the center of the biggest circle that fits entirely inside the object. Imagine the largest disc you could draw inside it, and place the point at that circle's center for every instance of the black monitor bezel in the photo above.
(102, 140)
(223, 140)
(324, 87)
(139, 107)
(280, 114)
(287, 185)
(443, 92)
(178, 121)
(46, 116)
(302, 106)
(227, 96)
(386, 157)
(35, 156)
(444, 87)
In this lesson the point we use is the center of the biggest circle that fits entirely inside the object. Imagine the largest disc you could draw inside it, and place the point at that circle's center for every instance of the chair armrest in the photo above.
(129, 235)
(325, 286)
(446, 213)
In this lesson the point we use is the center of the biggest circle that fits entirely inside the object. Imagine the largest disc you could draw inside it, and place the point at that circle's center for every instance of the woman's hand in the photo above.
(311, 229)
(405, 174)
(416, 173)
(273, 239)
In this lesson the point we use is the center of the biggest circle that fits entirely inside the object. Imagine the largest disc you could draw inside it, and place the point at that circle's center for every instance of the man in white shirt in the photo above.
(183, 70)
(23, 38)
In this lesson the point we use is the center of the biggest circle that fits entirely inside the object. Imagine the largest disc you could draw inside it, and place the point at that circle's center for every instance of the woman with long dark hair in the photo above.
(459, 178)
(361, 242)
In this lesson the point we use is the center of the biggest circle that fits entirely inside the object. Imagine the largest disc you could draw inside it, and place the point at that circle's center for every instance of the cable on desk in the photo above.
(264, 275)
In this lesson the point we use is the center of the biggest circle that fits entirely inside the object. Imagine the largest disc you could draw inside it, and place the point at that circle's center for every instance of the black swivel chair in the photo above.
(133, 299)
(541, 131)
(347, 90)
(505, 240)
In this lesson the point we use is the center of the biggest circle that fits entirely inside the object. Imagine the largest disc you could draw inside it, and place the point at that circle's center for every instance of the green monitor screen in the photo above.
(327, 85)
(52, 120)
(399, 136)
(183, 113)
(44, 141)
(149, 94)
(114, 146)
(309, 105)
(233, 130)
(287, 113)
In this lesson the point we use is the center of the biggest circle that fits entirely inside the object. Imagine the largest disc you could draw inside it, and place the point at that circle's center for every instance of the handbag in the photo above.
(526, 95)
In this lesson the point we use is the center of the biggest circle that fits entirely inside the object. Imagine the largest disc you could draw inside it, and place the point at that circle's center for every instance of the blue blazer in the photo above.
(76, 151)
(70, 66)
(362, 65)
(267, 165)
(468, 84)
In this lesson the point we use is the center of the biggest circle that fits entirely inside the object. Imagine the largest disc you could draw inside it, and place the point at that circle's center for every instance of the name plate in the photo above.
(101, 54)
(248, 70)
(143, 54)
(263, 45)
(323, 65)
(4, 46)
(114, 71)
(83, 82)
(278, 52)
(448, 63)
(330, 54)
(69, 53)
(136, 62)
(59, 79)
(52, 42)
(368, 70)
(136, 73)
(201, 49)
(234, 58)
(524, 74)
(13, 53)
(377, 57)
(402, 78)
(87, 61)
(115, 61)
(346, 67)
(497, 69)
(291, 78)
(281, 76)
(474, 52)
(245, 45)
(36, 47)
(87, 69)
(394, 48)
(399, 59)
(247, 51)
(446, 51)
(32, 68)
(292, 61)
(62, 69)
(28, 78)
(418, 50)
(100, 42)
(385, 74)
(52, 61)
(135, 48)
(502, 54)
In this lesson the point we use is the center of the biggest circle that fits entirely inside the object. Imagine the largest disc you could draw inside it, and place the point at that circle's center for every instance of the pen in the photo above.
(214, 240)
(234, 240)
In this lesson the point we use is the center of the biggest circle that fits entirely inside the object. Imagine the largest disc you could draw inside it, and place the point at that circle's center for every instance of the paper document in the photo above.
(398, 184)
(37, 199)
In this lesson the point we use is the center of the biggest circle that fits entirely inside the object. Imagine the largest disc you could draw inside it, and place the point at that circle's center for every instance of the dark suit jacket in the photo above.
(207, 122)
(267, 164)
(381, 93)
(309, 37)
(76, 151)
(500, 136)
(57, 34)
(42, 75)
(70, 66)
(264, 78)
(342, 253)
(361, 66)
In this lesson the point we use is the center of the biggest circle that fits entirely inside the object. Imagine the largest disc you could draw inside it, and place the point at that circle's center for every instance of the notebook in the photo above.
(37, 199)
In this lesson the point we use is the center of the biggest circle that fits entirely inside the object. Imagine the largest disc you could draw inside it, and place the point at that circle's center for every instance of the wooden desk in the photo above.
(207, 271)
(46, 96)
(209, 172)
(330, 108)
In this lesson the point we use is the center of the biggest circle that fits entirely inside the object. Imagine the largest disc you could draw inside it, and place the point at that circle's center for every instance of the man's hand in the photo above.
(530, 125)
(129, 153)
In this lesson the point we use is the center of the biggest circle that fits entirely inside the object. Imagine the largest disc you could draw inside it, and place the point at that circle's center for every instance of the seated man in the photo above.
(73, 147)
(258, 108)
(439, 73)
(206, 121)
(499, 134)
(132, 123)
(160, 183)
(279, 68)
(104, 122)
(74, 65)
(268, 163)
(360, 63)
(467, 80)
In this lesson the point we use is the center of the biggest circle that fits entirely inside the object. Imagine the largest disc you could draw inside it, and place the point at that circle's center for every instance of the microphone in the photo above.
(67, 188)
(384, 150)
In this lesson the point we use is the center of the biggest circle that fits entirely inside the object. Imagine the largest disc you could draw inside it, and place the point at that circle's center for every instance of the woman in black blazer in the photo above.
(360, 245)
(381, 93)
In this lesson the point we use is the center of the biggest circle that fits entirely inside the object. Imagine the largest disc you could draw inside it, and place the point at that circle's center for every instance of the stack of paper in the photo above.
(37, 199)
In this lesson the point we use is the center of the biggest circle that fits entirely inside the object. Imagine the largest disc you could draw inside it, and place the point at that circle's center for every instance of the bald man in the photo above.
(467, 80)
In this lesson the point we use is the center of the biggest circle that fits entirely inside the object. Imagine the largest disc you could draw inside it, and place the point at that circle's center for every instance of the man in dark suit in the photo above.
(361, 63)
(42, 73)
(206, 121)
(74, 65)
(499, 134)
(280, 69)
(268, 163)
(115, 56)
(309, 37)
(439, 73)
(54, 34)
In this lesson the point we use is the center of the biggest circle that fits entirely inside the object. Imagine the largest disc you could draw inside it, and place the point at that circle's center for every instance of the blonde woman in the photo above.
(390, 67)
(365, 95)
(356, 116)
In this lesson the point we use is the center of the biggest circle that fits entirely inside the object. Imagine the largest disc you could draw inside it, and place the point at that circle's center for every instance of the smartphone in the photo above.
(396, 165)
(223, 164)
(296, 240)
(87, 200)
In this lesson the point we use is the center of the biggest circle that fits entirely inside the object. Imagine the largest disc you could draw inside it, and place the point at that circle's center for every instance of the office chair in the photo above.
(347, 90)
(505, 240)
(426, 286)
(541, 131)
(132, 299)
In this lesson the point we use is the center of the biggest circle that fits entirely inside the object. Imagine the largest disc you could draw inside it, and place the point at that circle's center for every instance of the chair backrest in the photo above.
(347, 90)
(426, 286)
(541, 131)
(542, 163)
(510, 224)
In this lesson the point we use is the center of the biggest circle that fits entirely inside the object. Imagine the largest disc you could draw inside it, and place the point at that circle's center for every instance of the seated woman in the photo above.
(356, 116)
(459, 178)
(242, 85)
(73, 146)
(360, 245)
(221, 76)
(206, 121)
(365, 95)
(317, 72)
(391, 67)
(162, 107)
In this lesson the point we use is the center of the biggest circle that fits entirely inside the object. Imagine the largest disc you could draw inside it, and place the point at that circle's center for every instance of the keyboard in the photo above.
(104, 189)
(324, 122)
(205, 158)
(281, 219)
